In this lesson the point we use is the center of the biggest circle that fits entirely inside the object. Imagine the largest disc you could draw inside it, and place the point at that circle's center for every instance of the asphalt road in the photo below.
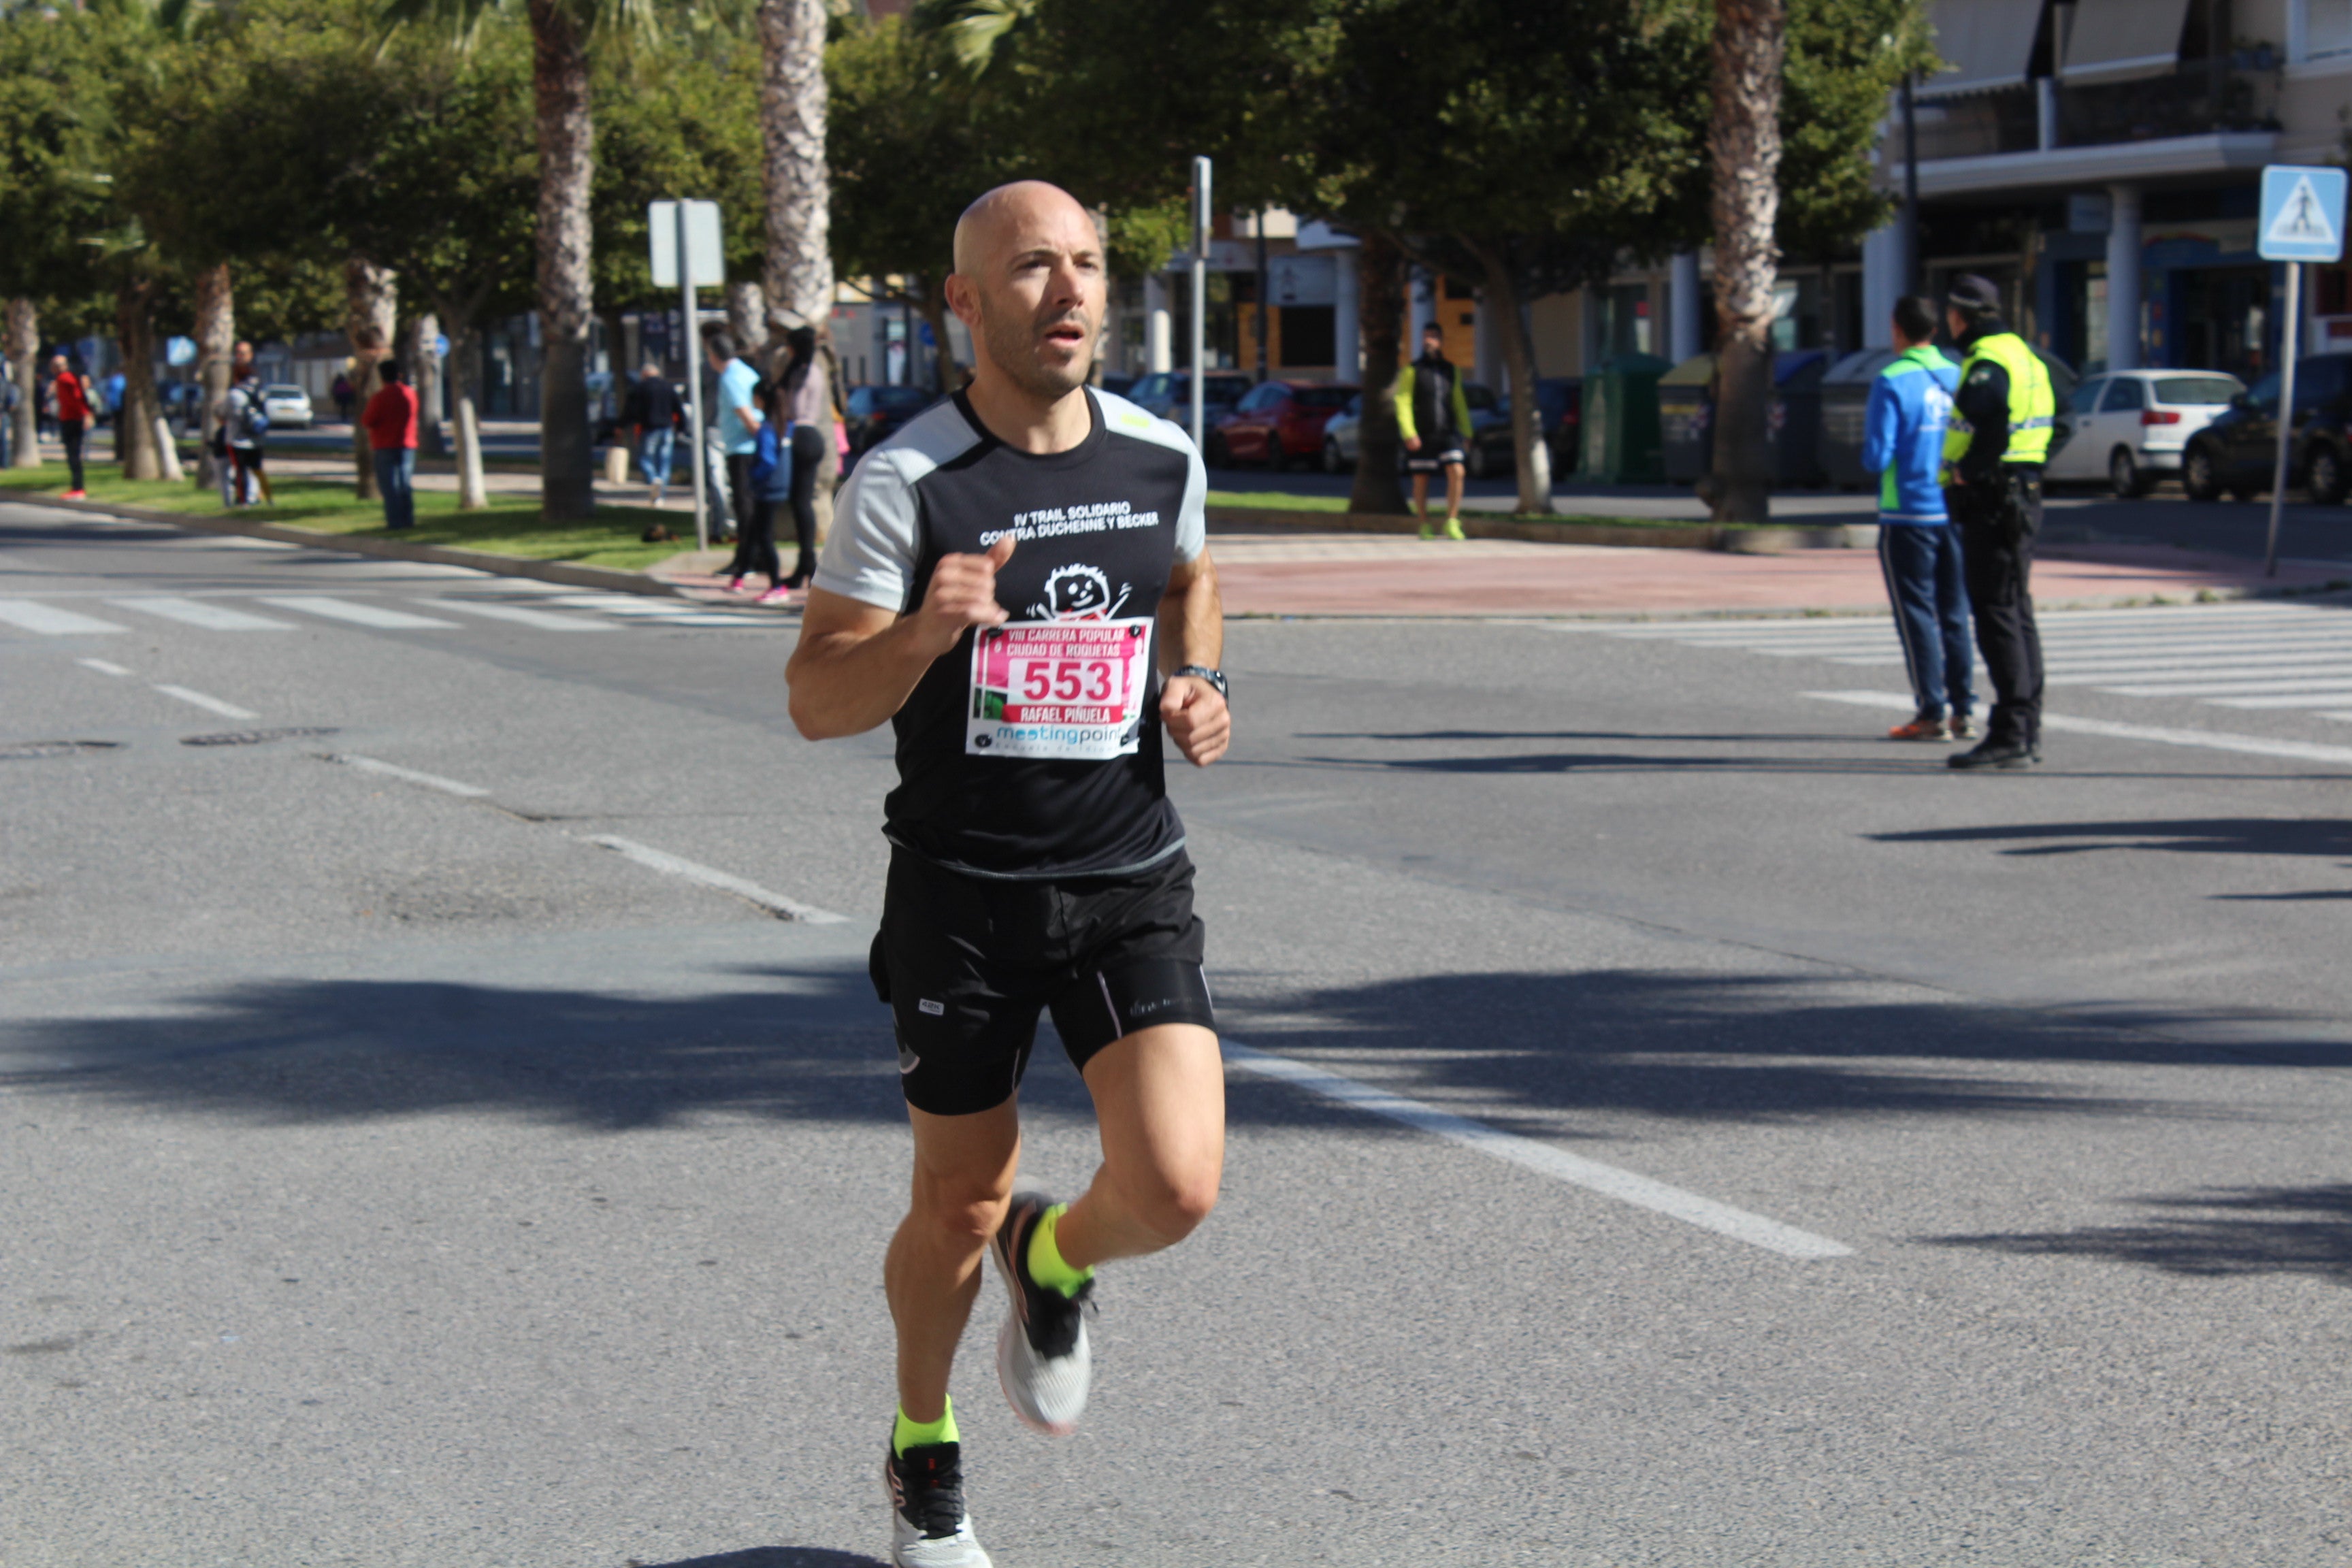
(1700, 1132)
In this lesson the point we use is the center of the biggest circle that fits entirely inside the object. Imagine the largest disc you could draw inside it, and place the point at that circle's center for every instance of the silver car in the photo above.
(1340, 436)
(2130, 427)
(287, 405)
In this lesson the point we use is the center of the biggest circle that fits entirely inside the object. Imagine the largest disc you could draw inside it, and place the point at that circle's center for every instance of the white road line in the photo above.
(618, 603)
(101, 666)
(520, 615)
(48, 621)
(2211, 739)
(2340, 692)
(197, 612)
(2109, 664)
(211, 704)
(1543, 1158)
(751, 892)
(357, 613)
(2327, 677)
(407, 775)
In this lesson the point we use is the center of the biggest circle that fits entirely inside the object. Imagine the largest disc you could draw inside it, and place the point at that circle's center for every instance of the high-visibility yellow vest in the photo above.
(2033, 406)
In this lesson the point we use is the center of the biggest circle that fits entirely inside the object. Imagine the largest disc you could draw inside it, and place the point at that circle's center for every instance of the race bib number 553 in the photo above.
(1058, 690)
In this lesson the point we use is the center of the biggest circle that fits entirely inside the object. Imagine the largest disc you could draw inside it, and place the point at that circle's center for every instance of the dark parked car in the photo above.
(875, 413)
(1275, 423)
(1116, 384)
(1559, 400)
(1169, 394)
(2238, 451)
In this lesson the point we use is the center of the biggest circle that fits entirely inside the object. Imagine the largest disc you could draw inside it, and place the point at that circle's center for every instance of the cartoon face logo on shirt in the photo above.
(1078, 594)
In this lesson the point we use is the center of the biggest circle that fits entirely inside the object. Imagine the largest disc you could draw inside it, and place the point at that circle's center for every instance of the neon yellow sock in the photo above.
(916, 1434)
(1044, 1259)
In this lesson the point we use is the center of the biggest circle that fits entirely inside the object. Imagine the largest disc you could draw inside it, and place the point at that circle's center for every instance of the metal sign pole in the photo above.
(686, 311)
(2289, 329)
(1201, 174)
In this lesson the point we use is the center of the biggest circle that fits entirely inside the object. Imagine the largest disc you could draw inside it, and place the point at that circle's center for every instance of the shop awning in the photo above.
(1987, 42)
(2120, 40)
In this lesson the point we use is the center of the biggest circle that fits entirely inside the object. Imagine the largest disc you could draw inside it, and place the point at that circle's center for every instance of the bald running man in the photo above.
(1019, 583)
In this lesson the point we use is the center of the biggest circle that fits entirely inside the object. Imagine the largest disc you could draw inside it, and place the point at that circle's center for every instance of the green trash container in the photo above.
(1620, 420)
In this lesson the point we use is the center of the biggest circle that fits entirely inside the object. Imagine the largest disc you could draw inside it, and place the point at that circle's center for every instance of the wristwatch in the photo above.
(1215, 677)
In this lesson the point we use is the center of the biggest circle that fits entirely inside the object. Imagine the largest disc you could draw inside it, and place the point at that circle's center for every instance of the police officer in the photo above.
(1994, 450)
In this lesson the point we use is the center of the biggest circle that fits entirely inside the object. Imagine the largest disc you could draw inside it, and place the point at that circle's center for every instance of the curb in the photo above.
(568, 574)
(1770, 540)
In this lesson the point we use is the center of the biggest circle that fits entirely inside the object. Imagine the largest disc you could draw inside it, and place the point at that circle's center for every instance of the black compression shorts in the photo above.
(1434, 456)
(967, 964)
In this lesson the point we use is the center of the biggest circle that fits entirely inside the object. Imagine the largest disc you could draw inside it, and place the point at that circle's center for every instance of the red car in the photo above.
(1275, 423)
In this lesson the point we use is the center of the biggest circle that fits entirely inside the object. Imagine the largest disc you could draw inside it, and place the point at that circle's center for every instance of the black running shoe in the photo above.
(929, 1528)
(1997, 752)
(1043, 1359)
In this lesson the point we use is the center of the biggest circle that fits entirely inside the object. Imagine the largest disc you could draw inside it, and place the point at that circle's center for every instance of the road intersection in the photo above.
(1671, 1125)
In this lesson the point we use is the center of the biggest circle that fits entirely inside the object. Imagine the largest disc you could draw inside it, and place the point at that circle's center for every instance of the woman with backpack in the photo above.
(804, 403)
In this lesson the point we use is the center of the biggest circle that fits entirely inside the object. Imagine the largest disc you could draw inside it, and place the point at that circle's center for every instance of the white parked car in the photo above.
(2130, 427)
(1340, 436)
(289, 406)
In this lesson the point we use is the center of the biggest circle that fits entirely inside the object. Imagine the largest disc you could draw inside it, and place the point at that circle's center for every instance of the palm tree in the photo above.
(561, 32)
(1744, 146)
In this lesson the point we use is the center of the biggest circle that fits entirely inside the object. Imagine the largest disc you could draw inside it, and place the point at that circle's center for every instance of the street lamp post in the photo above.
(1201, 177)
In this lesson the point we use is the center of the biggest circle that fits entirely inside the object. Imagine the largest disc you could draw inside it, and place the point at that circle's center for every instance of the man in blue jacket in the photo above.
(1919, 548)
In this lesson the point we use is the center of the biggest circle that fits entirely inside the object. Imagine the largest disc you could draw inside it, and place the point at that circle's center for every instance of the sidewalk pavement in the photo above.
(1382, 575)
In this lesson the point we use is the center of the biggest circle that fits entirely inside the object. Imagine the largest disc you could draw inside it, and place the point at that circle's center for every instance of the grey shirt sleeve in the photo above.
(1192, 516)
(875, 543)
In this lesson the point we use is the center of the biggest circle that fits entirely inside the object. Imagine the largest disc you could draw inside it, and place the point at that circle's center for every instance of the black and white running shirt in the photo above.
(1033, 749)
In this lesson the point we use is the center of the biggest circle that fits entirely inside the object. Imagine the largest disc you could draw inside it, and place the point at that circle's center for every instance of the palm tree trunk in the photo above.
(1744, 146)
(134, 331)
(425, 374)
(465, 344)
(799, 186)
(934, 302)
(371, 314)
(215, 343)
(24, 353)
(567, 167)
(1380, 290)
(1532, 457)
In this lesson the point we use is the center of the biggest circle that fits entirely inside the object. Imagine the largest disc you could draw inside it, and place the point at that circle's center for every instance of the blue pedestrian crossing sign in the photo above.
(2302, 214)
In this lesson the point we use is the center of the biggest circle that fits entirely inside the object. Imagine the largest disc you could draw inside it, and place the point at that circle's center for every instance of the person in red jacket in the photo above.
(69, 400)
(391, 421)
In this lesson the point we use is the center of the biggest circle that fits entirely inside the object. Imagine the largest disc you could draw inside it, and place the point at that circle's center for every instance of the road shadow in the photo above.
(2323, 837)
(773, 1557)
(2217, 1232)
(808, 1043)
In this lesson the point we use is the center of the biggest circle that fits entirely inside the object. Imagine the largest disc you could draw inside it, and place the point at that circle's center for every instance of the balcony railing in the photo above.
(2197, 98)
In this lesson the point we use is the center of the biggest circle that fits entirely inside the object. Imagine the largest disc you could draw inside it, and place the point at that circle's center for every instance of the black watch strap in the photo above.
(1215, 677)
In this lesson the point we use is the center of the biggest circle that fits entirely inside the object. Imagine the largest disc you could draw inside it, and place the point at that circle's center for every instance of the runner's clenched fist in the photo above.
(1196, 718)
(962, 594)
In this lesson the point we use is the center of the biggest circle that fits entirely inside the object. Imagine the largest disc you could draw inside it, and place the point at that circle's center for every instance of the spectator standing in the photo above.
(771, 487)
(804, 403)
(651, 409)
(391, 421)
(68, 405)
(1918, 550)
(1993, 456)
(345, 396)
(246, 423)
(737, 426)
(1433, 417)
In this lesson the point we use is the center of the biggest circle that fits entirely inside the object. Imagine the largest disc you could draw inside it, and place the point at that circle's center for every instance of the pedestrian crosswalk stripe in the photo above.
(2258, 655)
(209, 704)
(545, 620)
(356, 613)
(199, 613)
(48, 620)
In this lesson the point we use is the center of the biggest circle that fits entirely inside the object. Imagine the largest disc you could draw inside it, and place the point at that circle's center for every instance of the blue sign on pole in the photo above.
(2302, 214)
(440, 345)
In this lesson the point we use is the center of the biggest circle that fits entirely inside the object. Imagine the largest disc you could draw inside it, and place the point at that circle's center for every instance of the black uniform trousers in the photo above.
(1998, 523)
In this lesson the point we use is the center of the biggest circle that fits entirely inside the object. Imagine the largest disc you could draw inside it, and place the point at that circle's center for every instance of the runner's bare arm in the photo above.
(857, 664)
(1192, 631)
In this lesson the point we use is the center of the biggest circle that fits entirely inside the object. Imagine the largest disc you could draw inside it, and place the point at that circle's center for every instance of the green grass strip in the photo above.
(510, 525)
